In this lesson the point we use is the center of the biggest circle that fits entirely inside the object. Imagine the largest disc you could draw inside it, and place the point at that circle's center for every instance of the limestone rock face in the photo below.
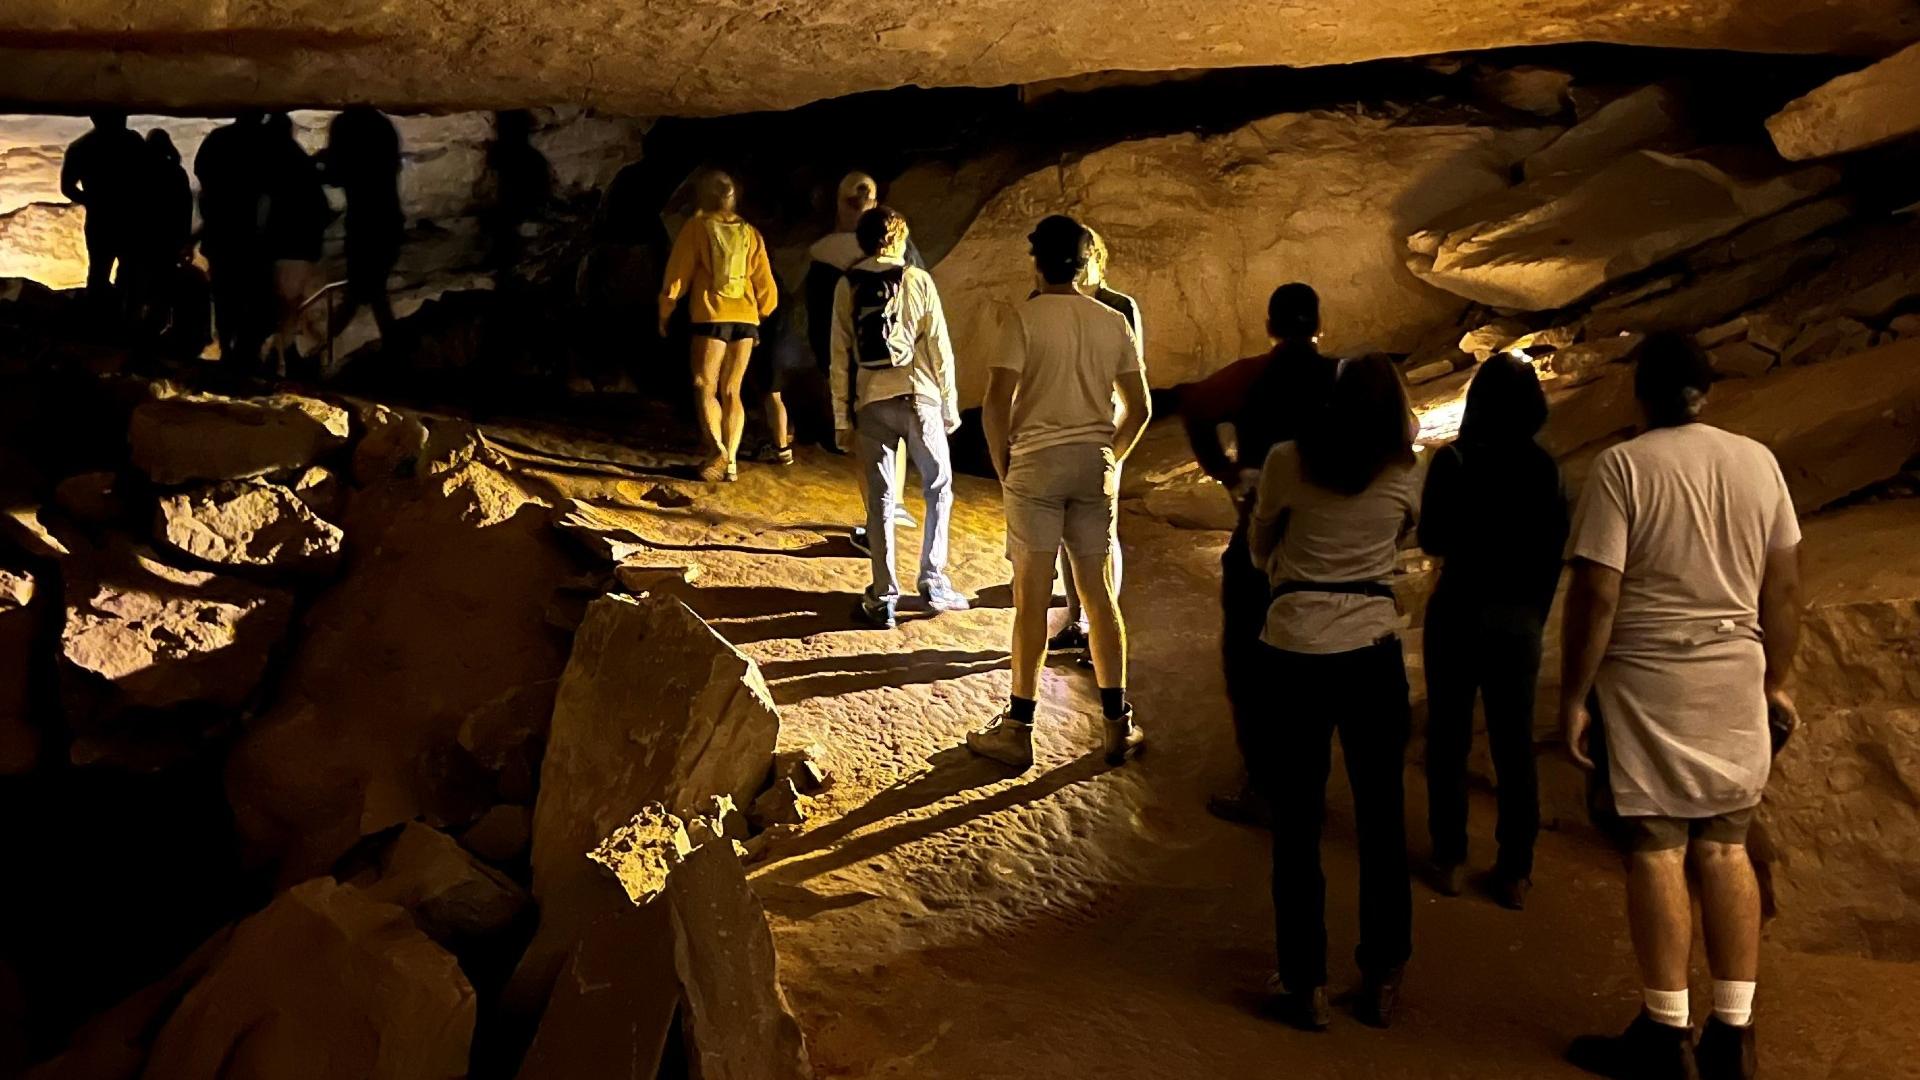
(165, 637)
(248, 524)
(501, 835)
(504, 53)
(654, 707)
(1648, 117)
(395, 707)
(1836, 427)
(1201, 229)
(1843, 807)
(1866, 108)
(324, 983)
(450, 895)
(206, 437)
(1556, 240)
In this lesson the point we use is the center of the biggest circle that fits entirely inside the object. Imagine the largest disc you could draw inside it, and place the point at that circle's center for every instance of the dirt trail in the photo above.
(942, 920)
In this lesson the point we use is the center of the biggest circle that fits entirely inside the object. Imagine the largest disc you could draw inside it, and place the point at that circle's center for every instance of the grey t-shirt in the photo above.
(1069, 351)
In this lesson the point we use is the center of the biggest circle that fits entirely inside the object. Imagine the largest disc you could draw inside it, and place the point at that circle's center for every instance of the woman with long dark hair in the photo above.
(1332, 509)
(1494, 511)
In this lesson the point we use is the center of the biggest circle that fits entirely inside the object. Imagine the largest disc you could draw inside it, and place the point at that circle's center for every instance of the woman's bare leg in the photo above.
(733, 372)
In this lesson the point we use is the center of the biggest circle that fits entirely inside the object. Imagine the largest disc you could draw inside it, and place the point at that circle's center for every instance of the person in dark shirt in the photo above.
(297, 214)
(102, 171)
(1266, 400)
(162, 230)
(232, 172)
(362, 159)
(1494, 511)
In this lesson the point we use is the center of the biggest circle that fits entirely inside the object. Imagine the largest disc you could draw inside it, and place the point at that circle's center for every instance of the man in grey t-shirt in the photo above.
(1057, 445)
(1680, 629)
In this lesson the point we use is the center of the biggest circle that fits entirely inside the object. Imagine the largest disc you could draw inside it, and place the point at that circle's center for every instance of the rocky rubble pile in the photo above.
(288, 585)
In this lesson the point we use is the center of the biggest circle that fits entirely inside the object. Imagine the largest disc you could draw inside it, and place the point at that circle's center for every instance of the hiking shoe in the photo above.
(714, 471)
(857, 536)
(1647, 1050)
(878, 614)
(1508, 891)
(1307, 1010)
(1379, 992)
(941, 596)
(1124, 738)
(1449, 879)
(1727, 1052)
(1006, 741)
(1071, 638)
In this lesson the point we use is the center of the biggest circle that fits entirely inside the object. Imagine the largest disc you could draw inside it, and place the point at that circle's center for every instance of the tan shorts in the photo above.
(1063, 496)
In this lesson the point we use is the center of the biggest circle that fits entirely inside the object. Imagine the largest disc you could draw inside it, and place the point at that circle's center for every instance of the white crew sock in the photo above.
(1669, 1007)
(1733, 1002)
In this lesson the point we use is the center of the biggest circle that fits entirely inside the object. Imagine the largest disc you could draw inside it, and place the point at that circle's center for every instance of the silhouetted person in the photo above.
(1265, 399)
(296, 219)
(161, 229)
(1326, 529)
(362, 158)
(102, 171)
(231, 168)
(1494, 512)
(1681, 622)
(522, 181)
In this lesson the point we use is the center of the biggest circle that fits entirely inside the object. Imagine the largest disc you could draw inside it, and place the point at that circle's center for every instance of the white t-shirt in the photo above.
(1069, 351)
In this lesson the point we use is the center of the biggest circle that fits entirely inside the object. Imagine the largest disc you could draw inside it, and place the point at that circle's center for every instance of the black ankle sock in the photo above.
(1020, 709)
(1113, 701)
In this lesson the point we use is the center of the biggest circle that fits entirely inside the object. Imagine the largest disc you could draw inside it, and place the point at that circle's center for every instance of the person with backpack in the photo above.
(892, 381)
(719, 263)
(1057, 444)
(1494, 513)
(1093, 282)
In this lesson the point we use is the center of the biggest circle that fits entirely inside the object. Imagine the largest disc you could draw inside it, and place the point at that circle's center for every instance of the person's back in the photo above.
(363, 159)
(928, 377)
(1074, 349)
(105, 166)
(1500, 524)
(720, 263)
(297, 209)
(1703, 506)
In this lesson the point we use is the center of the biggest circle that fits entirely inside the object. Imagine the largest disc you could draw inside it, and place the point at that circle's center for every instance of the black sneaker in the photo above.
(1379, 992)
(1727, 1052)
(878, 614)
(1647, 1050)
(1509, 890)
(1071, 638)
(1307, 1010)
(1449, 879)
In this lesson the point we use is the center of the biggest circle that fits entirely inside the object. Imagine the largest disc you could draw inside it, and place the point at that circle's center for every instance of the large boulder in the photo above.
(1836, 427)
(248, 523)
(425, 679)
(324, 983)
(190, 437)
(1556, 240)
(452, 896)
(163, 637)
(1842, 813)
(654, 707)
(1651, 117)
(1874, 105)
(1202, 228)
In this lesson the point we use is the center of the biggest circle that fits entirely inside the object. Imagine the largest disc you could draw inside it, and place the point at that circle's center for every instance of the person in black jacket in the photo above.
(362, 159)
(102, 171)
(1494, 511)
(231, 167)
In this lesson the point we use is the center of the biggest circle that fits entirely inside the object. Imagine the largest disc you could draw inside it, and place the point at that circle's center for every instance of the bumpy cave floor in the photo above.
(939, 919)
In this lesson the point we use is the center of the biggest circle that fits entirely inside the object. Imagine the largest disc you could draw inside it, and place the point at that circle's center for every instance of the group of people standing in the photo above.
(139, 209)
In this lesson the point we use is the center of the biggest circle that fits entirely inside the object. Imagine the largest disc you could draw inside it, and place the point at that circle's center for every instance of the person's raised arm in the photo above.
(1136, 408)
(996, 416)
(1592, 601)
(1207, 404)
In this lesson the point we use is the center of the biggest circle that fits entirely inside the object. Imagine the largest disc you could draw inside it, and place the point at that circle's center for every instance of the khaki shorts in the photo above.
(1063, 496)
(1638, 834)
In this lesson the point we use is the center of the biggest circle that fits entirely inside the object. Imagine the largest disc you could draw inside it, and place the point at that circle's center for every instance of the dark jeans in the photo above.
(1493, 652)
(1244, 593)
(1363, 695)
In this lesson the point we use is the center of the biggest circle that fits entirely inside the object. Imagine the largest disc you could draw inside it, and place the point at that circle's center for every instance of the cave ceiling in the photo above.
(679, 57)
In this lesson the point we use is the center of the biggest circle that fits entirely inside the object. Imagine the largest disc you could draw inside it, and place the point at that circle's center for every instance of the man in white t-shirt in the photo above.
(1680, 629)
(1057, 443)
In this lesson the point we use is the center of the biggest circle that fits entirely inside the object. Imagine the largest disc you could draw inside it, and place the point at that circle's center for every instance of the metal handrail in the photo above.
(327, 290)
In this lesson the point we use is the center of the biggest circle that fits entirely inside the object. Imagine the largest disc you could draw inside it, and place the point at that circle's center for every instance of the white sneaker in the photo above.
(1006, 741)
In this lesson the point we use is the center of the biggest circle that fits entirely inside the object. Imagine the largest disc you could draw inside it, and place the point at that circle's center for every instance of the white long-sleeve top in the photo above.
(928, 379)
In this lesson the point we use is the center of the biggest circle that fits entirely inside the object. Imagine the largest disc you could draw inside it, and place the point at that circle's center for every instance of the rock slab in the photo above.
(1874, 105)
(248, 523)
(178, 440)
(451, 895)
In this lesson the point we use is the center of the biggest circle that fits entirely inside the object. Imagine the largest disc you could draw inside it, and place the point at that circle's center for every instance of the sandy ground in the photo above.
(940, 919)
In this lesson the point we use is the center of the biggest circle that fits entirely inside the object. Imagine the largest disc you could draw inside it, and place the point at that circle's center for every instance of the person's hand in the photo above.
(664, 319)
(1245, 486)
(1575, 722)
(843, 438)
(1783, 717)
(953, 423)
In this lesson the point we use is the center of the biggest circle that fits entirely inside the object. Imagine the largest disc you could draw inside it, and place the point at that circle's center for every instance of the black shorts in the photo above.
(726, 331)
(1640, 834)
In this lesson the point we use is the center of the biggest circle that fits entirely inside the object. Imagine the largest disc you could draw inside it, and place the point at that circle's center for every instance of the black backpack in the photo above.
(881, 338)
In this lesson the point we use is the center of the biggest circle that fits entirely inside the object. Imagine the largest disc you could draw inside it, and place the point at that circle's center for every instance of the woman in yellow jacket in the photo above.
(719, 263)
